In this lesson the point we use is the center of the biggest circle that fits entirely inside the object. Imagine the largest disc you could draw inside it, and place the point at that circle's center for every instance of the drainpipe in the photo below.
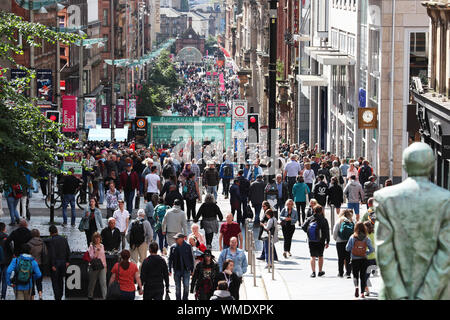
(391, 104)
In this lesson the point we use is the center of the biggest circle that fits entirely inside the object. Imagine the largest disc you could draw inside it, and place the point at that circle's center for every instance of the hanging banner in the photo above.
(44, 84)
(210, 110)
(106, 116)
(131, 108)
(223, 110)
(69, 113)
(120, 113)
(221, 79)
(90, 113)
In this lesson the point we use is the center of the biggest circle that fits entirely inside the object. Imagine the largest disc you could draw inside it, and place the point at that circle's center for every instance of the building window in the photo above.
(374, 85)
(105, 17)
(375, 50)
(351, 45)
(322, 16)
(105, 47)
(334, 39)
(105, 71)
(342, 42)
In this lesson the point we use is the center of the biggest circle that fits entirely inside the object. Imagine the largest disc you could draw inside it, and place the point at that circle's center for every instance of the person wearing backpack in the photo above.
(357, 246)
(342, 231)
(4, 262)
(40, 254)
(139, 235)
(25, 270)
(168, 169)
(158, 217)
(318, 231)
(226, 174)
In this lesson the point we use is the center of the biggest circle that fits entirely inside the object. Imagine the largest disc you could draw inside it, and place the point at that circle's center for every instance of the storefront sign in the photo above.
(69, 113)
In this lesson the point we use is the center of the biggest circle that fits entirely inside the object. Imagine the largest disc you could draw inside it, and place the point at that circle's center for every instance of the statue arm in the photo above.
(394, 287)
(435, 285)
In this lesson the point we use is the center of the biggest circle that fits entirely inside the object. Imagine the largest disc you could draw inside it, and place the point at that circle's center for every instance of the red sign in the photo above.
(69, 113)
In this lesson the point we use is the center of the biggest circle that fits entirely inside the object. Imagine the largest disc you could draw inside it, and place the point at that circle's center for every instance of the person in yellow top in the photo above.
(371, 258)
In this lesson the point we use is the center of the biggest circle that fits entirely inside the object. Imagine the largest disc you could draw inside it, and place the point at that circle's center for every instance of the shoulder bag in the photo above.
(113, 292)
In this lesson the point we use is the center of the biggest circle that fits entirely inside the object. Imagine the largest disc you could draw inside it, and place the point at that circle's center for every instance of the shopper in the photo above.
(40, 254)
(300, 190)
(174, 222)
(204, 277)
(158, 217)
(357, 246)
(210, 213)
(229, 230)
(154, 275)
(288, 217)
(335, 195)
(122, 217)
(181, 260)
(112, 197)
(191, 193)
(69, 189)
(270, 226)
(111, 236)
(92, 212)
(228, 276)
(256, 197)
(371, 258)
(97, 266)
(355, 194)
(342, 231)
(127, 274)
(222, 292)
(139, 235)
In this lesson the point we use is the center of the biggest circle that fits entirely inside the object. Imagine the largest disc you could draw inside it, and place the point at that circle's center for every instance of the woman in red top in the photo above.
(126, 272)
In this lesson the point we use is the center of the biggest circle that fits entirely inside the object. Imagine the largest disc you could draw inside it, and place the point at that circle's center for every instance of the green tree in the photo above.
(162, 83)
(28, 140)
(211, 45)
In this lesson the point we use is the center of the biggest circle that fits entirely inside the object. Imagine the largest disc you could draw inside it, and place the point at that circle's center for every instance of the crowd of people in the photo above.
(155, 242)
(200, 88)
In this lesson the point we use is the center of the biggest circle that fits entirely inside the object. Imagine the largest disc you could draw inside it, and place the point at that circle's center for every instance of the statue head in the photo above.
(418, 159)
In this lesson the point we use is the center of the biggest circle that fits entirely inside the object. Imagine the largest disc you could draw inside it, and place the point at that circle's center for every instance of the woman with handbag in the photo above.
(288, 217)
(271, 225)
(97, 266)
(126, 273)
(92, 220)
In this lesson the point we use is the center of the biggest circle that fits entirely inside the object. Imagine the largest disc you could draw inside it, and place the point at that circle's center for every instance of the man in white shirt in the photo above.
(122, 217)
(291, 170)
(152, 184)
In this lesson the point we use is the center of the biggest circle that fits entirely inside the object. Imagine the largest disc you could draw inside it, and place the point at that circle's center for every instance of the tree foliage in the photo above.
(161, 85)
(28, 140)
(210, 45)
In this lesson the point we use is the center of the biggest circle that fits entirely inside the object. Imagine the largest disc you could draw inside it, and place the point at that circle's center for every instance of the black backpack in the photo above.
(365, 174)
(137, 233)
(227, 171)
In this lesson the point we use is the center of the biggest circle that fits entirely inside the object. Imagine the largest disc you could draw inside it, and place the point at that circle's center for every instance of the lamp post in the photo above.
(113, 70)
(273, 15)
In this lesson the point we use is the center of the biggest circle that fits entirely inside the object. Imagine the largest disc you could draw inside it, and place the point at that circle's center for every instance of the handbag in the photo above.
(249, 212)
(84, 224)
(341, 180)
(86, 256)
(113, 292)
(97, 264)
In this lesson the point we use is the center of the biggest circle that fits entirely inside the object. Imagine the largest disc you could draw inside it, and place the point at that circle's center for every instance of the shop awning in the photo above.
(332, 58)
(309, 80)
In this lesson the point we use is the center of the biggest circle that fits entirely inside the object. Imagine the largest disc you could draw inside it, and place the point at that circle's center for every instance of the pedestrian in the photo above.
(210, 213)
(335, 195)
(355, 194)
(191, 193)
(167, 183)
(320, 190)
(174, 222)
(13, 195)
(181, 260)
(365, 172)
(129, 184)
(111, 236)
(152, 184)
(369, 215)
(342, 231)
(139, 235)
(150, 211)
(352, 171)
(126, 273)
(92, 212)
(18, 237)
(154, 274)
(288, 217)
(158, 217)
(256, 197)
(357, 246)
(211, 179)
(300, 190)
(112, 199)
(196, 233)
(291, 170)
(309, 176)
(369, 189)
(371, 257)
(99, 178)
(40, 255)
(318, 231)
(5, 261)
(204, 277)
(226, 173)
(26, 270)
(228, 230)
(97, 266)
(235, 201)
(240, 263)
(58, 258)
(229, 276)
(222, 292)
(173, 195)
(122, 217)
(270, 226)
(69, 189)
(335, 171)
(255, 171)
(265, 206)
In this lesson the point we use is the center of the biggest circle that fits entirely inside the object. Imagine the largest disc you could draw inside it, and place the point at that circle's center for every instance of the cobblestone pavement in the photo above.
(292, 275)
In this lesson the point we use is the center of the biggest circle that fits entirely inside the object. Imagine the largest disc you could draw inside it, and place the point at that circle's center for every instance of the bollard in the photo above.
(268, 252)
(254, 260)
(332, 216)
(272, 248)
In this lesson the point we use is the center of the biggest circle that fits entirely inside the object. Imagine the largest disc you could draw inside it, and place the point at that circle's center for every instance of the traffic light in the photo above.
(253, 128)
(52, 115)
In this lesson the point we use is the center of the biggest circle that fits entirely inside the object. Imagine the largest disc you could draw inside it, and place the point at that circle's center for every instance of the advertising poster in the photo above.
(44, 84)
(90, 113)
(223, 110)
(120, 113)
(131, 108)
(106, 116)
(210, 110)
(69, 113)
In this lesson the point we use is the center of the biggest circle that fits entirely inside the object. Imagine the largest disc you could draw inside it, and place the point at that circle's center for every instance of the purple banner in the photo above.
(106, 116)
(120, 113)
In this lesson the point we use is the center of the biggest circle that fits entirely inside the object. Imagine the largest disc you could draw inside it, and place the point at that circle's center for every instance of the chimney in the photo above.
(190, 22)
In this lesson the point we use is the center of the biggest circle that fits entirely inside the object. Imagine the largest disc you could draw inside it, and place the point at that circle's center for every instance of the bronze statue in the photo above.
(412, 233)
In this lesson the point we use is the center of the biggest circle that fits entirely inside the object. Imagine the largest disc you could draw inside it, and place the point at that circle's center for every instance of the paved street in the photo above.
(292, 275)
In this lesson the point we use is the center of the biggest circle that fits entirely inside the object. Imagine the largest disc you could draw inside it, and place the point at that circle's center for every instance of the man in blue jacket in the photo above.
(25, 270)
(181, 259)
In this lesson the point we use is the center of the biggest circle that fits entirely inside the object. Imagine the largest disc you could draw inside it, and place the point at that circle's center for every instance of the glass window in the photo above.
(374, 85)
(105, 17)
(334, 39)
(342, 42)
(322, 15)
(351, 45)
(375, 50)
